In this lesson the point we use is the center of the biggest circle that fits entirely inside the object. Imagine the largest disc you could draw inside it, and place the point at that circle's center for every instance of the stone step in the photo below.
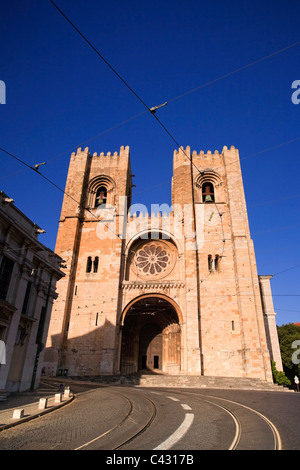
(187, 381)
(205, 382)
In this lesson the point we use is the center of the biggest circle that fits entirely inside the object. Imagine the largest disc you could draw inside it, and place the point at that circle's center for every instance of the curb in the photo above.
(36, 415)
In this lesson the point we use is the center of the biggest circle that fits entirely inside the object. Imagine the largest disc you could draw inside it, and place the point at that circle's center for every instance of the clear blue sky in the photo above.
(59, 94)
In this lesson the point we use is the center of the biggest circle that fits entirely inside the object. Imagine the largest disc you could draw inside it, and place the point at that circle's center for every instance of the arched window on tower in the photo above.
(208, 193)
(92, 264)
(96, 263)
(101, 192)
(101, 197)
(210, 265)
(89, 264)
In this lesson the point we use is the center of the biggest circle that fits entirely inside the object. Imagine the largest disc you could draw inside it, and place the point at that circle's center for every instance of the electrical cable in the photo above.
(234, 71)
(147, 107)
(191, 91)
(100, 55)
(57, 187)
(172, 99)
(175, 98)
(140, 99)
(158, 120)
(119, 76)
(208, 83)
(285, 270)
(83, 143)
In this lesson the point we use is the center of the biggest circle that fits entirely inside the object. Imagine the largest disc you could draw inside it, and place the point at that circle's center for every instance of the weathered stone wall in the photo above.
(209, 274)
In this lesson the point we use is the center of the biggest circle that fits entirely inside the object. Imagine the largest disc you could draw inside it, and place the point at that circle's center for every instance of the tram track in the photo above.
(237, 435)
(276, 436)
(244, 422)
(128, 418)
(130, 425)
(138, 433)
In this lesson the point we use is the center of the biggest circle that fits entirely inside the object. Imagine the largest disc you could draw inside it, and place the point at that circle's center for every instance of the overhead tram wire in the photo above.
(99, 54)
(139, 98)
(185, 93)
(172, 99)
(153, 113)
(240, 69)
(151, 110)
(82, 143)
(285, 270)
(57, 187)
(96, 136)
(180, 96)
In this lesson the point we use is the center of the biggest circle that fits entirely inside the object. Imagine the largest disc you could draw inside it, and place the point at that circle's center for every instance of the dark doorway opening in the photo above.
(150, 346)
(151, 337)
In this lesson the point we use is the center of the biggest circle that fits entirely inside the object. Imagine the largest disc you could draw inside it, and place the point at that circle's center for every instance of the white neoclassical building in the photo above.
(28, 275)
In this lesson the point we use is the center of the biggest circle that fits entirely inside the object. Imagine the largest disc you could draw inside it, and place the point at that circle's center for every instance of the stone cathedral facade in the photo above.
(173, 292)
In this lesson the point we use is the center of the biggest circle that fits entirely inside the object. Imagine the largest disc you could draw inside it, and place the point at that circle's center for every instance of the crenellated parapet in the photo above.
(161, 225)
(124, 152)
(182, 273)
(149, 222)
(183, 156)
(153, 216)
(80, 152)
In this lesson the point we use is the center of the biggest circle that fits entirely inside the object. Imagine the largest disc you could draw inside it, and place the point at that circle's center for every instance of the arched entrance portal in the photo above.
(151, 336)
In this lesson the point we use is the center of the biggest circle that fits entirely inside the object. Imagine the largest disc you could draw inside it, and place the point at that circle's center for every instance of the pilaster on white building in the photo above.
(28, 275)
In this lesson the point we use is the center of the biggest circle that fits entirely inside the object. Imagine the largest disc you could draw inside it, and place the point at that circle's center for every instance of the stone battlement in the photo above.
(183, 156)
(124, 151)
(187, 152)
(178, 273)
(140, 215)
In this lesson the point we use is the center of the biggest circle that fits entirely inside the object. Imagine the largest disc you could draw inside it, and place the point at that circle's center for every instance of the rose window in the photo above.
(153, 259)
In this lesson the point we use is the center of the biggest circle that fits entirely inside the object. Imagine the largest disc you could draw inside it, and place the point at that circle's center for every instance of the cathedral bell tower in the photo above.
(82, 329)
(176, 294)
(225, 284)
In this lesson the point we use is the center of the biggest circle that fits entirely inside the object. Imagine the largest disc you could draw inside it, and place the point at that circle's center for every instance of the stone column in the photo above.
(270, 322)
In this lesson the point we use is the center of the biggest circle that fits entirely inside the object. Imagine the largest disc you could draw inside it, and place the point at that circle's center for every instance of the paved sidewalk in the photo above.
(28, 402)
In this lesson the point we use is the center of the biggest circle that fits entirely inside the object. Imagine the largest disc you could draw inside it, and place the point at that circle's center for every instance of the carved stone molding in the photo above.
(129, 285)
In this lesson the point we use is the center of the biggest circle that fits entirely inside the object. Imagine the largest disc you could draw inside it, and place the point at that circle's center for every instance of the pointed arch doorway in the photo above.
(151, 336)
